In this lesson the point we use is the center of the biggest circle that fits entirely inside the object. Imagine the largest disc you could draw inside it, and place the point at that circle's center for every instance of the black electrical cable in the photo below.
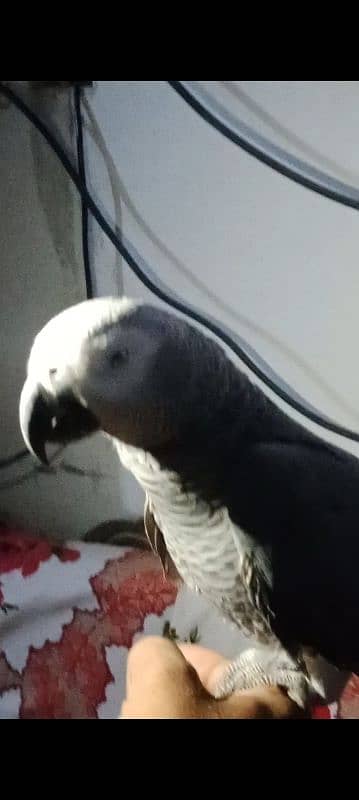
(143, 274)
(267, 152)
(6, 463)
(82, 173)
(24, 454)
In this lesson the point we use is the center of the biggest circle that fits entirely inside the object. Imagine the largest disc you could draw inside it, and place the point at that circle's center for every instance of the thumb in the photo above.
(160, 682)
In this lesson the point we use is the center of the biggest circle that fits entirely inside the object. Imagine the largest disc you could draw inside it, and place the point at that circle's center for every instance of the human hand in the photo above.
(170, 681)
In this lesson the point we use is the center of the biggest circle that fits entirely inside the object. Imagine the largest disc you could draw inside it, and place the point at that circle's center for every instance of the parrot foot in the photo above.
(256, 667)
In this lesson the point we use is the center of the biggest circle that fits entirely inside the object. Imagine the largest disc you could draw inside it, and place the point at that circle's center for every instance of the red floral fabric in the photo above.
(72, 665)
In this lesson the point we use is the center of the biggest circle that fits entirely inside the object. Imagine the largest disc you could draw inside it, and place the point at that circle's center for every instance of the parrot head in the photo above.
(116, 365)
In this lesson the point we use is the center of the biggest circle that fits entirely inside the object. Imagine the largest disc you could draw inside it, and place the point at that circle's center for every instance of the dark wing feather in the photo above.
(300, 505)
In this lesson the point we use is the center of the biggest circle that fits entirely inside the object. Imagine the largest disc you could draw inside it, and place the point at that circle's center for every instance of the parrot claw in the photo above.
(171, 633)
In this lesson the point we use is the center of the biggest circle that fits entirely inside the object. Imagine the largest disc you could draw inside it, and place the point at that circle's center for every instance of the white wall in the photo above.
(276, 262)
(41, 273)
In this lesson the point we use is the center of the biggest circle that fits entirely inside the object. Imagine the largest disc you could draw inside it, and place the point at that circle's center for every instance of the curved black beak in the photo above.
(45, 419)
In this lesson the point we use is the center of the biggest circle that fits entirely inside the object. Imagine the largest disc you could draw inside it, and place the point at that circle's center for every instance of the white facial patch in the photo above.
(58, 345)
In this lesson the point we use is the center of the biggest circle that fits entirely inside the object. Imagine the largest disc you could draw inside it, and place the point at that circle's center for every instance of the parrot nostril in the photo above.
(53, 372)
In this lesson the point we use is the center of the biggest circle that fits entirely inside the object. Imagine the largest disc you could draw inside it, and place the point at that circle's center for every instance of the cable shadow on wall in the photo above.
(121, 194)
(289, 136)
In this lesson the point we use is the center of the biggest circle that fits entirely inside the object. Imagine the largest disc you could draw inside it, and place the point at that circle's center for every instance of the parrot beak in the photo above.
(49, 419)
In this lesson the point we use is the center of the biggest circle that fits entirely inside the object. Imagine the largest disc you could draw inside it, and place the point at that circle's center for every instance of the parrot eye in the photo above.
(117, 358)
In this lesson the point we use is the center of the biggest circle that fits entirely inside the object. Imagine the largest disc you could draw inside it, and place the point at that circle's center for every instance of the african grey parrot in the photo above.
(258, 514)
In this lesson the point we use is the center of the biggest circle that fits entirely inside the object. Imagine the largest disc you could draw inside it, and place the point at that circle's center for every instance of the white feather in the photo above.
(208, 550)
